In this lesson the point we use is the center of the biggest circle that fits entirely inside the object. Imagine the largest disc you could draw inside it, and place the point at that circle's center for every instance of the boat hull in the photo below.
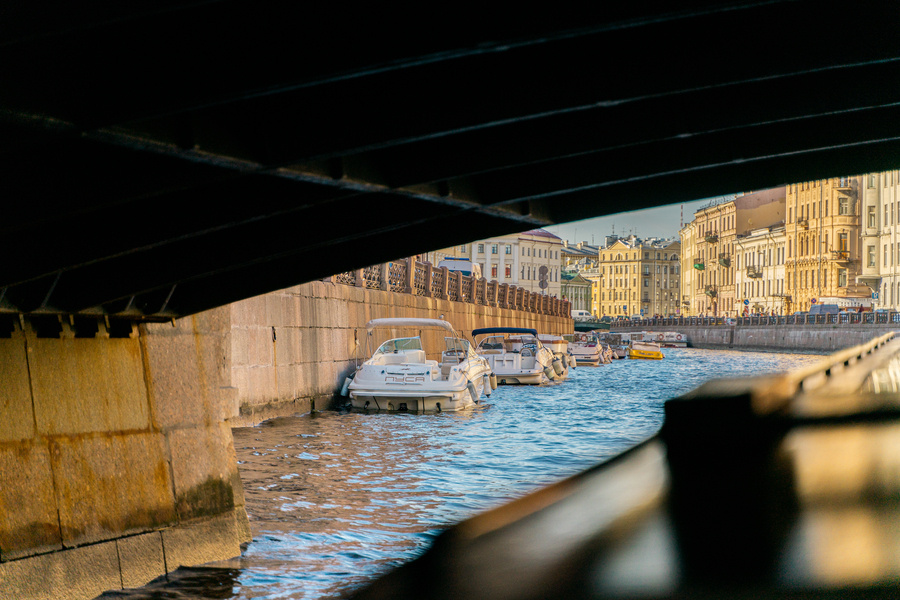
(530, 378)
(416, 399)
(645, 354)
(587, 361)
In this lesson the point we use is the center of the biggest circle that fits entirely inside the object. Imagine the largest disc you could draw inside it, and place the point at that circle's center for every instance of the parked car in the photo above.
(466, 267)
(824, 309)
(730, 321)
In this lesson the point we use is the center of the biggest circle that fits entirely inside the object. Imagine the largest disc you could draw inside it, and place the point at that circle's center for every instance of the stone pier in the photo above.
(116, 456)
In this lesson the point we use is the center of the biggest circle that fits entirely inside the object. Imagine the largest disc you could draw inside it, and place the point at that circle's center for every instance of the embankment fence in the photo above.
(423, 279)
(871, 318)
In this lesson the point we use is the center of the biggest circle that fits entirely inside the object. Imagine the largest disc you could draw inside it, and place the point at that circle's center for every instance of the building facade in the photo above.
(824, 245)
(531, 260)
(880, 238)
(577, 290)
(712, 288)
(713, 293)
(639, 280)
(759, 271)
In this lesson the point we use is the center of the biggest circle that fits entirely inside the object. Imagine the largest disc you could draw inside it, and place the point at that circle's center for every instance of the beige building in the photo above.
(823, 242)
(759, 271)
(713, 292)
(642, 279)
(531, 260)
(689, 275)
(880, 238)
(711, 287)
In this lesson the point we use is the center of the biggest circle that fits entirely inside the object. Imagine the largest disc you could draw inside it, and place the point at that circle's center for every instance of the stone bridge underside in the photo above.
(164, 158)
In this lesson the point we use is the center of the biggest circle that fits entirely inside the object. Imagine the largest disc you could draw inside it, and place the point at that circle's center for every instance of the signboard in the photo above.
(874, 295)
(812, 300)
(746, 303)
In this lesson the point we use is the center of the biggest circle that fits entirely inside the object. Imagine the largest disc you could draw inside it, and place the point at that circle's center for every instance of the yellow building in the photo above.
(709, 241)
(713, 292)
(823, 241)
(639, 279)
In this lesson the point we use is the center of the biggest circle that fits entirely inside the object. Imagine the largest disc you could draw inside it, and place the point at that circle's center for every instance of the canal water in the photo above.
(336, 498)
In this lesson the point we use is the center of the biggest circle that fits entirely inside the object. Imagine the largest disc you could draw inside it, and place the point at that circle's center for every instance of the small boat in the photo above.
(646, 350)
(587, 350)
(400, 377)
(666, 339)
(516, 355)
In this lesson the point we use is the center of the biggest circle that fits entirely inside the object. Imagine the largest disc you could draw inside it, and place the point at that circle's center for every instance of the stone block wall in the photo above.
(293, 348)
(116, 457)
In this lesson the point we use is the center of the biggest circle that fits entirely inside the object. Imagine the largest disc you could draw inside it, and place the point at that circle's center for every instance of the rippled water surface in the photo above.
(337, 498)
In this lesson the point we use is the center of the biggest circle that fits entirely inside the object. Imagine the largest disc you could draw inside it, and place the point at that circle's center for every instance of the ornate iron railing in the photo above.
(420, 279)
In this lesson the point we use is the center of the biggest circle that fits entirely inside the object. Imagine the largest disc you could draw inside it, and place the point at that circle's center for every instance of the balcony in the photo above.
(803, 223)
(845, 185)
(710, 290)
(840, 255)
(712, 238)
(699, 264)
(754, 272)
(724, 260)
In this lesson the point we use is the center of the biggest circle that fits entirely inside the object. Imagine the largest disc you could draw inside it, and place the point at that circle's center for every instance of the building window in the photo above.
(508, 249)
(844, 206)
(871, 222)
(480, 248)
(462, 248)
(494, 249)
(508, 273)
(842, 277)
(494, 271)
(871, 256)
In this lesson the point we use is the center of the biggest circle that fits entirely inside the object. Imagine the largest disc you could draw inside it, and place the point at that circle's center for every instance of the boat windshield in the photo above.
(399, 345)
(457, 344)
(494, 342)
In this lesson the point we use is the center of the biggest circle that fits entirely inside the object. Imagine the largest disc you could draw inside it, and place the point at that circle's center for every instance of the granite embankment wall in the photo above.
(292, 349)
(824, 339)
(116, 457)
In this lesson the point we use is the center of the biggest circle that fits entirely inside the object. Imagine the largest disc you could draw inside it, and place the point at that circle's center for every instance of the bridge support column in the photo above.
(116, 458)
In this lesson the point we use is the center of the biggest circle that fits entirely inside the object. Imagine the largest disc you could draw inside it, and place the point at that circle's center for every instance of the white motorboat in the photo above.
(399, 376)
(587, 350)
(516, 355)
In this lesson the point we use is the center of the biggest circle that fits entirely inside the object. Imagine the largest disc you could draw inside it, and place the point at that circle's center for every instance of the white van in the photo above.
(581, 314)
(464, 266)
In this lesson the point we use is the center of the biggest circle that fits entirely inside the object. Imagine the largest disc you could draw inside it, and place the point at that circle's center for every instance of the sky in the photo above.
(662, 222)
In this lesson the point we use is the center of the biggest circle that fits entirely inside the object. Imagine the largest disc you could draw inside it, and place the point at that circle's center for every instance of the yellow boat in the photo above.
(645, 350)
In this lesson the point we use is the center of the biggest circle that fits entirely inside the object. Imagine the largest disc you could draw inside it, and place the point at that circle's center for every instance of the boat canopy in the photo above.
(504, 330)
(411, 322)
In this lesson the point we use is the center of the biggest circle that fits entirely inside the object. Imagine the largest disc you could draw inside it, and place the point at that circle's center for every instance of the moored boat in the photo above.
(587, 350)
(645, 350)
(516, 355)
(666, 339)
(399, 376)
